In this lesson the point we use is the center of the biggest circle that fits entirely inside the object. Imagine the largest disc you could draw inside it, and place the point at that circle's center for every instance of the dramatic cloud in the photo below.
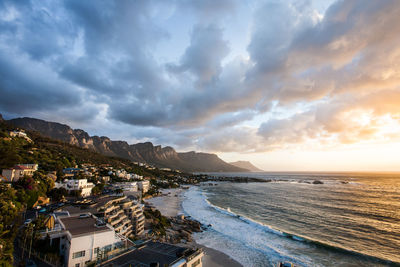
(185, 74)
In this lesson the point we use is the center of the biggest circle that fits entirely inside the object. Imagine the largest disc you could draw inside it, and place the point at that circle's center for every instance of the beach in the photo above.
(169, 204)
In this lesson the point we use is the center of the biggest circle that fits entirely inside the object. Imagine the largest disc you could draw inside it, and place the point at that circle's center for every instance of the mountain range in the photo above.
(246, 165)
(148, 153)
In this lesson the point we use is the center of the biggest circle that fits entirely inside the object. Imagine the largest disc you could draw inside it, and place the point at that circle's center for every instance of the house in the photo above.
(19, 171)
(105, 179)
(123, 214)
(81, 185)
(20, 134)
(83, 239)
(71, 172)
(32, 166)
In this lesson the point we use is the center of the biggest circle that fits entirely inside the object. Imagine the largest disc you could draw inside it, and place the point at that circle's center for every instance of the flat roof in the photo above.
(81, 226)
(152, 252)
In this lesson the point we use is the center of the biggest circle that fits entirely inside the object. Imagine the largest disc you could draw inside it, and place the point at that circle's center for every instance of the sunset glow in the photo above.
(289, 85)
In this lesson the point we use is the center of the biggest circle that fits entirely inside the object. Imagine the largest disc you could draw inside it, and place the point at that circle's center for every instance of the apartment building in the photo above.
(144, 186)
(123, 214)
(85, 239)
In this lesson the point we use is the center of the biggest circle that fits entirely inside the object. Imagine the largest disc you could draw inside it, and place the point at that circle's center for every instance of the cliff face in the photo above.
(141, 152)
(246, 165)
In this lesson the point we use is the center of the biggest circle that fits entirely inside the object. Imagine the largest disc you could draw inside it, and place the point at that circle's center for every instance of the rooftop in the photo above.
(152, 252)
(19, 167)
(81, 226)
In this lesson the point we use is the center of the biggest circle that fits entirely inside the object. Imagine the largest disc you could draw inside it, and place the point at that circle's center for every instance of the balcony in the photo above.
(114, 214)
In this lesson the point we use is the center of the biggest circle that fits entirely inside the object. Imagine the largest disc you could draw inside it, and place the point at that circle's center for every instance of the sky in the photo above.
(289, 85)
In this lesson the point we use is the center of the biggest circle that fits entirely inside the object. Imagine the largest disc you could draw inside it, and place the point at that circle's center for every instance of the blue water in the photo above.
(349, 220)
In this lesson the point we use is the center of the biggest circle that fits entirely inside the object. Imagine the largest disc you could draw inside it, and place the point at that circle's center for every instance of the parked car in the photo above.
(28, 221)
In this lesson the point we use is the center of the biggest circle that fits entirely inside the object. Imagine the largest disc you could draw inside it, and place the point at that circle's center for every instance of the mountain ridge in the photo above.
(246, 165)
(145, 152)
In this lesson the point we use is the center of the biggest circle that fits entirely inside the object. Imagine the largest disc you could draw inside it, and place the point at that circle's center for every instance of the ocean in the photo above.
(350, 220)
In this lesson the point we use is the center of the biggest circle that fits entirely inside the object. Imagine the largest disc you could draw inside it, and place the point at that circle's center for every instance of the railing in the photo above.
(57, 228)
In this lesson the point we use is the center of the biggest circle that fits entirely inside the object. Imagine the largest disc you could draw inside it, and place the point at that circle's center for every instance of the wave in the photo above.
(292, 237)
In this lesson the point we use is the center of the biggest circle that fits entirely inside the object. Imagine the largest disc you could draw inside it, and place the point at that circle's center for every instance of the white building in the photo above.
(19, 171)
(127, 186)
(32, 166)
(144, 186)
(77, 185)
(20, 134)
(86, 240)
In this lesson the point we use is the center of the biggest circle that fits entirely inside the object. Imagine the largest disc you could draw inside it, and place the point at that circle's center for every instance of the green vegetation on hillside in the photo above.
(51, 155)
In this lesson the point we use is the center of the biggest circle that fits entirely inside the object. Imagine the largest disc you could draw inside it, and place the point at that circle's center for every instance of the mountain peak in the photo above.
(246, 165)
(142, 152)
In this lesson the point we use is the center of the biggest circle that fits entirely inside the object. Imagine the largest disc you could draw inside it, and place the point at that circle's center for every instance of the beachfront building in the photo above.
(19, 171)
(126, 186)
(87, 240)
(134, 211)
(159, 254)
(123, 214)
(83, 239)
(144, 186)
(81, 185)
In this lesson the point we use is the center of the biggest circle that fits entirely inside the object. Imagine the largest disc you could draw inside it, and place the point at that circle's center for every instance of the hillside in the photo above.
(142, 152)
(246, 165)
(53, 154)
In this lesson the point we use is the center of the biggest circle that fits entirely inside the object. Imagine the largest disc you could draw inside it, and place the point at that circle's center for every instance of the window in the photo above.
(77, 265)
(196, 263)
(78, 254)
(96, 250)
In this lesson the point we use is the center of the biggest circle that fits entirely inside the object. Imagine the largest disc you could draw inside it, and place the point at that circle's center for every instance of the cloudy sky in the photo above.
(289, 85)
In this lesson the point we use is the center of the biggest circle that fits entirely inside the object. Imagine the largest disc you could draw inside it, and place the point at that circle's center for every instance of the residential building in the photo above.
(19, 171)
(159, 254)
(105, 179)
(123, 214)
(84, 239)
(81, 185)
(127, 186)
(144, 186)
(71, 172)
(32, 166)
(134, 211)
(20, 134)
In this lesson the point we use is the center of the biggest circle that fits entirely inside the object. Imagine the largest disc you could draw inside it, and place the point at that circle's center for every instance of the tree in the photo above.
(97, 189)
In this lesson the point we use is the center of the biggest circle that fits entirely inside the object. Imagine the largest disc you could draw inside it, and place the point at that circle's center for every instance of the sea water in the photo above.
(349, 220)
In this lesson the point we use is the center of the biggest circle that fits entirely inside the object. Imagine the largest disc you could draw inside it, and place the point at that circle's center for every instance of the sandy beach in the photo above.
(169, 204)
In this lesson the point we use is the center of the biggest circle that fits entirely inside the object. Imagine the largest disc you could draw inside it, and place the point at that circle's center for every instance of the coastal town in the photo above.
(89, 215)
(63, 205)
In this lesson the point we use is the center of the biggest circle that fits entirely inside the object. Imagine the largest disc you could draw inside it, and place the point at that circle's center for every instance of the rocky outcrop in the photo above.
(182, 229)
(142, 152)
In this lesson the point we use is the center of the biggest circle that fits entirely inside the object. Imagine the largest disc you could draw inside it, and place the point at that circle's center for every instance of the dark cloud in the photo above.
(204, 55)
(98, 62)
(27, 86)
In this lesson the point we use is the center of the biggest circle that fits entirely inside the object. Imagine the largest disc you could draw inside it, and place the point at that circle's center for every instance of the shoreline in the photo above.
(169, 203)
